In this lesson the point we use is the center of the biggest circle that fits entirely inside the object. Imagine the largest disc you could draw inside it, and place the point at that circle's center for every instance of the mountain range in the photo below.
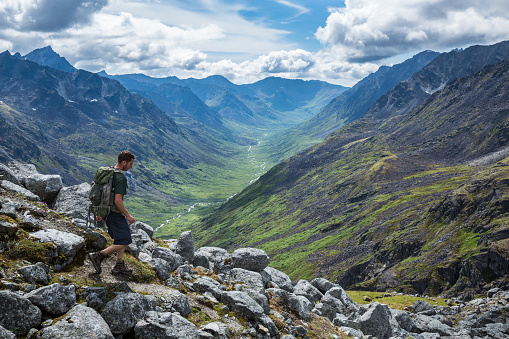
(403, 188)
(415, 202)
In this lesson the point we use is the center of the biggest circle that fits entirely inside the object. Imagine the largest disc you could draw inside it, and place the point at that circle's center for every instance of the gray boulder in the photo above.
(54, 299)
(261, 299)
(252, 259)
(242, 304)
(73, 201)
(173, 260)
(8, 228)
(217, 329)
(337, 298)
(375, 321)
(428, 324)
(37, 273)
(323, 285)
(138, 225)
(242, 279)
(219, 259)
(18, 314)
(298, 303)
(68, 244)
(404, 320)
(269, 325)
(201, 259)
(162, 267)
(307, 290)
(206, 284)
(6, 334)
(279, 278)
(165, 325)
(11, 187)
(44, 186)
(125, 310)
(185, 246)
(424, 307)
(175, 301)
(95, 296)
(7, 174)
(95, 239)
(22, 171)
(29, 222)
(81, 322)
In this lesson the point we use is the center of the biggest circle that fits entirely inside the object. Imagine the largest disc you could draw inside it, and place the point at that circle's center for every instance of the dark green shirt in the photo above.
(119, 187)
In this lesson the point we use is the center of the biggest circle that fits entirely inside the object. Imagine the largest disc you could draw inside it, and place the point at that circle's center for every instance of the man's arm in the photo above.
(120, 205)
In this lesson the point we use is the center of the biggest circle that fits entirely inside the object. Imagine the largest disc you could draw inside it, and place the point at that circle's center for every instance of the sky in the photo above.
(338, 41)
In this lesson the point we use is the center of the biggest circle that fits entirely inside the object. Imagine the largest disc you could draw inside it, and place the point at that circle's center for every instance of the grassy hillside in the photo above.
(381, 204)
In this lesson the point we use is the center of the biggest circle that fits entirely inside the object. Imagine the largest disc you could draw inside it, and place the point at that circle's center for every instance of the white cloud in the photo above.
(374, 30)
(47, 15)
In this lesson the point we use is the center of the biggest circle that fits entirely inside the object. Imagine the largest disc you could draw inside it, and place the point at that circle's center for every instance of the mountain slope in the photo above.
(79, 121)
(348, 106)
(390, 204)
(435, 76)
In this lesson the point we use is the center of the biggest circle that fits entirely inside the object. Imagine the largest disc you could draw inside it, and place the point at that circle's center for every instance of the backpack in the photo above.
(101, 198)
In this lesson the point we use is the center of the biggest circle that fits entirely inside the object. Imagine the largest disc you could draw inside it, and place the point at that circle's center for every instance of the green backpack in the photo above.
(101, 194)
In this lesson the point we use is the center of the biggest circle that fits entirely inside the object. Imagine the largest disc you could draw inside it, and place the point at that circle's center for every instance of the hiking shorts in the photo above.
(119, 230)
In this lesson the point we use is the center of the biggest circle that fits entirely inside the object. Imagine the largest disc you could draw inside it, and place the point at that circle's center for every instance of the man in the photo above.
(118, 220)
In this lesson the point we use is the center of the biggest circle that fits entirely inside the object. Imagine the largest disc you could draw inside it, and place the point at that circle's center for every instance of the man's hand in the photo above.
(130, 219)
(98, 218)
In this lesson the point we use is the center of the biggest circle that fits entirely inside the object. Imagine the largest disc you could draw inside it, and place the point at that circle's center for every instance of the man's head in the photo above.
(125, 160)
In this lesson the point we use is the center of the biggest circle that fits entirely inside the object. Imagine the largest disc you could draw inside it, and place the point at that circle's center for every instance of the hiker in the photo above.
(118, 220)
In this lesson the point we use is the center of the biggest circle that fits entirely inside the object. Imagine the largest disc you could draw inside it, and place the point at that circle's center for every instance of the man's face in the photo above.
(127, 165)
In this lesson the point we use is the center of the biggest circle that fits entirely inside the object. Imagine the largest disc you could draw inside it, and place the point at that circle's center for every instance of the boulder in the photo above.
(266, 322)
(29, 222)
(277, 277)
(219, 259)
(54, 299)
(126, 310)
(162, 267)
(202, 260)
(252, 259)
(404, 320)
(217, 329)
(323, 285)
(206, 284)
(22, 171)
(8, 228)
(44, 186)
(68, 244)
(81, 322)
(242, 304)
(428, 324)
(138, 225)
(260, 299)
(304, 288)
(37, 273)
(165, 325)
(11, 187)
(185, 246)
(298, 303)
(337, 298)
(7, 174)
(424, 307)
(173, 260)
(375, 321)
(246, 279)
(175, 301)
(94, 296)
(10, 209)
(95, 240)
(6, 334)
(18, 314)
(73, 201)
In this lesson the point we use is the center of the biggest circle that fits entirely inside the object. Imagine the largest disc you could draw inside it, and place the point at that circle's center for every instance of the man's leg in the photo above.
(119, 249)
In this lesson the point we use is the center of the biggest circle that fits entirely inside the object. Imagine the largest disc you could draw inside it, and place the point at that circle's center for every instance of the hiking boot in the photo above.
(121, 268)
(96, 258)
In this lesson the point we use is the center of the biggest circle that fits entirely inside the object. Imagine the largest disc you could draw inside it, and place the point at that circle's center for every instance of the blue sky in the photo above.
(339, 41)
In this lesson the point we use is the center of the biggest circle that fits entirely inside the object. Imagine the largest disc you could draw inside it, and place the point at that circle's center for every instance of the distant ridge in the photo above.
(46, 56)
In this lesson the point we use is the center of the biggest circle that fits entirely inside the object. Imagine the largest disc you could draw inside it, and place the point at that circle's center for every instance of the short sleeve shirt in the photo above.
(119, 187)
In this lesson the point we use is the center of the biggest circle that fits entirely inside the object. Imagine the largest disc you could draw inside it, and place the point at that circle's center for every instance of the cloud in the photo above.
(367, 30)
(47, 15)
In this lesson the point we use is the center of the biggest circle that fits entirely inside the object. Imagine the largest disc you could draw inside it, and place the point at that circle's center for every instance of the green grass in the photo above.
(395, 301)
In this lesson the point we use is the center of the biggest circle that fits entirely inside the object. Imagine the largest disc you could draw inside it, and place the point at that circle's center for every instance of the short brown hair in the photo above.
(125, 155)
